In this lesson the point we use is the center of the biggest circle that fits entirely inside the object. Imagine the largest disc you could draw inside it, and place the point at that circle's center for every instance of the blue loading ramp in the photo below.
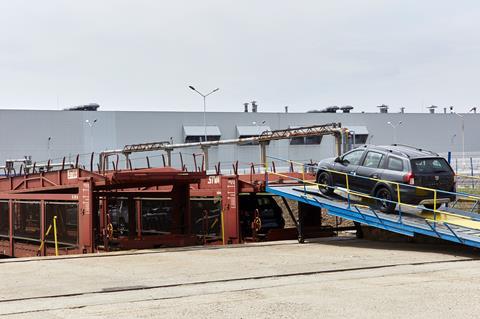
(406, 221)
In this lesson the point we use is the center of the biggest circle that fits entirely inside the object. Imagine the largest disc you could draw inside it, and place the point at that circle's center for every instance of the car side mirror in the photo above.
(338, 160)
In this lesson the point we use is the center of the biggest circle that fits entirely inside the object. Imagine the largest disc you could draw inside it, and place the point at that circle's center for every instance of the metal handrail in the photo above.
(468, 176)
(349, 191)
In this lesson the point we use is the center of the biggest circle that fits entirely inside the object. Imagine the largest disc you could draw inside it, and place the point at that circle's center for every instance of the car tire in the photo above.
(325, 178)
(382, 194)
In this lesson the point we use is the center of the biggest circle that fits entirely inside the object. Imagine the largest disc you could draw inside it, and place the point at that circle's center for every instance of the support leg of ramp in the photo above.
(301, 235)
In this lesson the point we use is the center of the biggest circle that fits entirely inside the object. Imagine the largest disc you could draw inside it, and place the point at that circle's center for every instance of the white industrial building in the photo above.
(44, 134)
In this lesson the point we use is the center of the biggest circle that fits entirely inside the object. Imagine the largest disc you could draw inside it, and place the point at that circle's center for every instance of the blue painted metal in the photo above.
(450, 228)
(406, 225)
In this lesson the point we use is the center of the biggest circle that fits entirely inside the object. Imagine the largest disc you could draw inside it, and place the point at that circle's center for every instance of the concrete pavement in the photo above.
(329, 277)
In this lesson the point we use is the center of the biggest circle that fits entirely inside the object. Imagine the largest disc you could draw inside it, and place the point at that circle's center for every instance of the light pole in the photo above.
(48, 146)
(91, 124)
(370, 138)
(452, 139)
(395, 126)
(204, 107)
(463, 137)
(352, 134)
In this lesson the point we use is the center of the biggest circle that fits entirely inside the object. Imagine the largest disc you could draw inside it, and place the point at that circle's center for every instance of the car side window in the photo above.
(354, 157)
(395, 164)
(372, 159)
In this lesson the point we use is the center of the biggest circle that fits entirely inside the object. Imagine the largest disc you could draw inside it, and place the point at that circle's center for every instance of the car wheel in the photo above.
(384, 195)
(325, 179)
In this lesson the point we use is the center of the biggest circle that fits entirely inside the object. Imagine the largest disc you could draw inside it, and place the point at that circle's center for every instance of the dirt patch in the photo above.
(327, 220)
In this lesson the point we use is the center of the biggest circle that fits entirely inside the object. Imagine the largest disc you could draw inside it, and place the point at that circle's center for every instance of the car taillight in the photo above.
(409, 178)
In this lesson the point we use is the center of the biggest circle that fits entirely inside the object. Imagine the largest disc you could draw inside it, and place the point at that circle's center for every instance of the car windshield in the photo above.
(430, 165)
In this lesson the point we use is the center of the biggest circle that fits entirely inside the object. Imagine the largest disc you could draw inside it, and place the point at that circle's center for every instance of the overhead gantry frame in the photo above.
(334, 129)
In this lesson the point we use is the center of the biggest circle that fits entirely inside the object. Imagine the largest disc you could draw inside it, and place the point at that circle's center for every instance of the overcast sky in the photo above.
(141, 55)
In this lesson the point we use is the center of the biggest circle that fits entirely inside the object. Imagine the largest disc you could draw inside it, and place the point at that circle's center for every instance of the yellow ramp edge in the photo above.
(451, 219)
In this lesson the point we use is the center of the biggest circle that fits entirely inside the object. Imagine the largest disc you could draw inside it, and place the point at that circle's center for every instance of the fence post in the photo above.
(399, 203)
(471, 172)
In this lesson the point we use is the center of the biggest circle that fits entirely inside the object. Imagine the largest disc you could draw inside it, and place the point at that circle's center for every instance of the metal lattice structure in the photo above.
(334, 129)
(315, 130)
(146, 147)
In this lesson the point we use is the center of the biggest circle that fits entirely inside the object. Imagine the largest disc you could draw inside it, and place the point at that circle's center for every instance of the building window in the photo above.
(196, 134)
(297, 141)
(306, 140)
(197, 139)
(360, 139)
(360, 132)
(252, 131)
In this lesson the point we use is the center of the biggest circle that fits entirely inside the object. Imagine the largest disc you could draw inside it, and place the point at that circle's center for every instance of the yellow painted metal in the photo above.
(398, 195)
(55, 234)
(43, 241)
(346, 183)
(456, 218)
(396, 183)
(361, 206)
(450, 219)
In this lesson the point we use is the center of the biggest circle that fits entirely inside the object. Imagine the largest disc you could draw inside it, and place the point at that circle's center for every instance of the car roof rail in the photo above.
(415, 148)
(389, 150)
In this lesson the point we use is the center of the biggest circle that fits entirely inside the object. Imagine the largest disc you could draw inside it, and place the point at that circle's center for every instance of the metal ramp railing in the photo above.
(442, 222)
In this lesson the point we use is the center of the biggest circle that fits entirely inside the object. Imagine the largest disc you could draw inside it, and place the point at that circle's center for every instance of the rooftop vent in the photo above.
(432, 108)
(245, 105)
(330, 109)
(254, 106)
(383, 108)
(87, 107)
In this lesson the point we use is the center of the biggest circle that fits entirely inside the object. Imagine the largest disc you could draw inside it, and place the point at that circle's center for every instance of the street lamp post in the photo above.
(395, 126)
(48, 146)
(204, 107)
(91, 124)
(370, 138)
(452, 140)
(463, 137)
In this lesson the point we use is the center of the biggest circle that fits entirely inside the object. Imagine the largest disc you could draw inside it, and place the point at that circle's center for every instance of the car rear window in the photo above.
(430, 165)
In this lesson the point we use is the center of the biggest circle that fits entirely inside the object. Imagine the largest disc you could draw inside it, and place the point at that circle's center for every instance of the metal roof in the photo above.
(200, 130)
(252, 130)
